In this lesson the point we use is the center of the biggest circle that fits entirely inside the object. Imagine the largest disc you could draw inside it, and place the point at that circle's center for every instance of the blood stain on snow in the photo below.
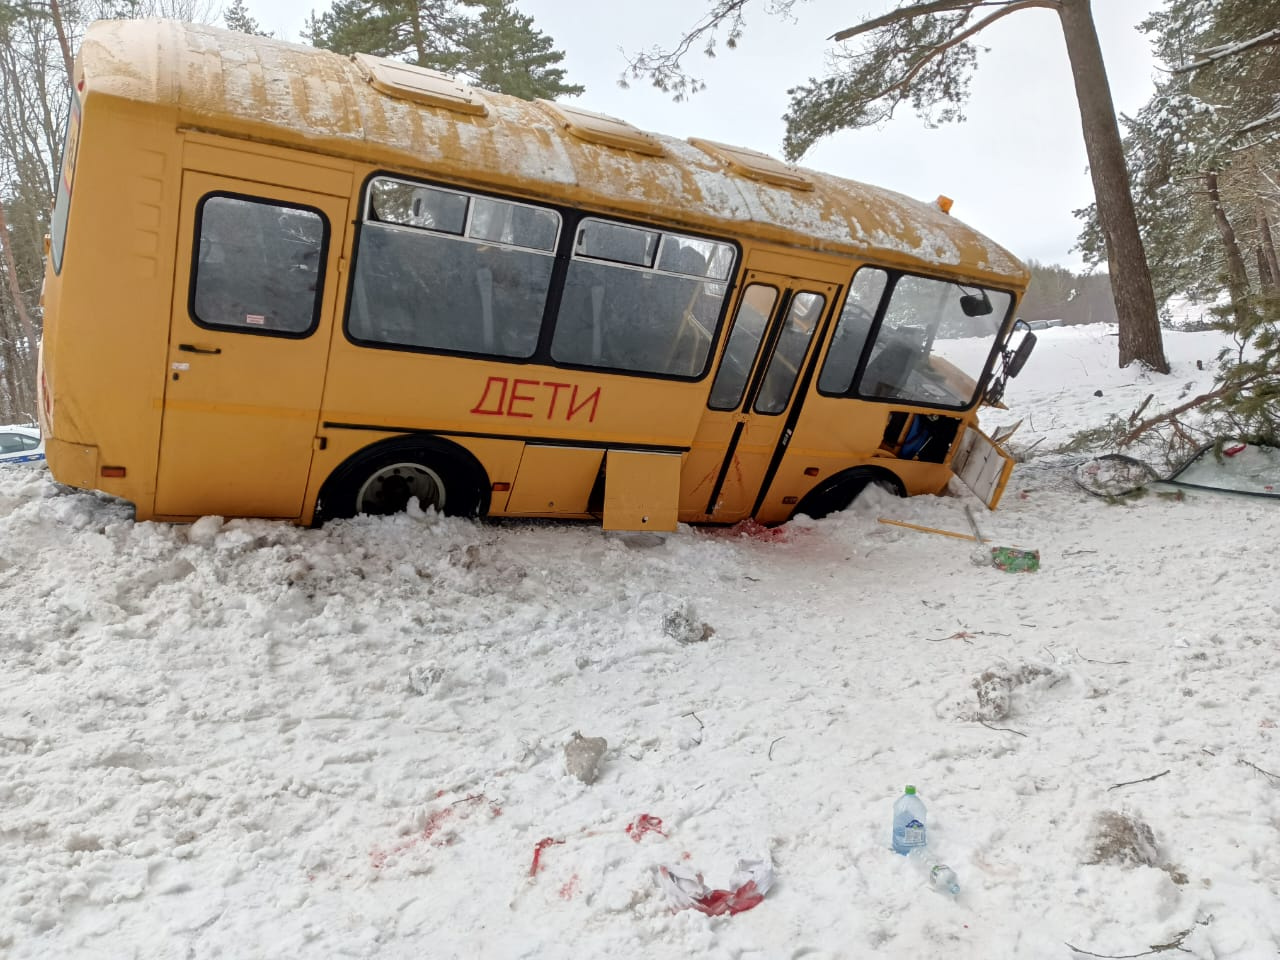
(537, 852)
(754, 530)
(569, 889)
(435, 821)
(643, 824)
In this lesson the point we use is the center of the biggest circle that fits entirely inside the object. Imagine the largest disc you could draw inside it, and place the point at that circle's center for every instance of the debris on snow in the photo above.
(424, 677)
(995, 688)
(1126, 840)
(685, 889)
(582, 756)
(682, 625)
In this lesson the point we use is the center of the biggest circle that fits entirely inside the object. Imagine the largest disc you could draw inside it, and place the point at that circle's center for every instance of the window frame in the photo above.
(321, 266)
(571, 217)
(60, 221)
(873, 334)
(665, 234)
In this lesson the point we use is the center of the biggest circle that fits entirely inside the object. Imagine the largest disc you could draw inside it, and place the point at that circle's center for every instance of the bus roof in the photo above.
(400, 117)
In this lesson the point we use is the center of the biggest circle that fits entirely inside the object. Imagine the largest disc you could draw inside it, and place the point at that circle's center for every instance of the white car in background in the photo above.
(20, 445)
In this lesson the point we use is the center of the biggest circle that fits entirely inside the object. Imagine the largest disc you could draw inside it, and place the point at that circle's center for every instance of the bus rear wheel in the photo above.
(382, 479)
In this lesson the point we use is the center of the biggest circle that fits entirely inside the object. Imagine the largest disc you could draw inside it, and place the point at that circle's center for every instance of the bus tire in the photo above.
(380, 479)
(837, 492)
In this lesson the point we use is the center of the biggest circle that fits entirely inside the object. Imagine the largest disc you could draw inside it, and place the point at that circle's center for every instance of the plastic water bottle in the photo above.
(908, 822)
(938, 875)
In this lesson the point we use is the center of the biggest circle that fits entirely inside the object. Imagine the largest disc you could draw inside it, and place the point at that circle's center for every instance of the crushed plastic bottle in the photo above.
(937, 874)
(908, 822)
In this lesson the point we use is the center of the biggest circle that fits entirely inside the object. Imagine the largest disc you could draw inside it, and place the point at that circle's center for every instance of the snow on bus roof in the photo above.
(247, 86)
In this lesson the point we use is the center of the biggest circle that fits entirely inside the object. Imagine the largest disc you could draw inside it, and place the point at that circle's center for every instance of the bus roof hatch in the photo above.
(603, 129)
(428, 87)
(754, 164)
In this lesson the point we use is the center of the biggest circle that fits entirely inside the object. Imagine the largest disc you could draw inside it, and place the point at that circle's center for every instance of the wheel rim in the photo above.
(388, 489)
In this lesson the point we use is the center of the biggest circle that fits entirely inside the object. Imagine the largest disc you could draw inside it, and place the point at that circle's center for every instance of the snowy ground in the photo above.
(249, 740)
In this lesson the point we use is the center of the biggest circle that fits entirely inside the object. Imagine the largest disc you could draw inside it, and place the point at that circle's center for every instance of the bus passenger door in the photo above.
(255, 294)
(775, 326)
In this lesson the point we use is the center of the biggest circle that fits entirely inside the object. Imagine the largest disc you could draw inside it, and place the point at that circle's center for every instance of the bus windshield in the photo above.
(914, 339)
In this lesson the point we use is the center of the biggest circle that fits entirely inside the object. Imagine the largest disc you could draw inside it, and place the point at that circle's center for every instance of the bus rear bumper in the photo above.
(75, 464)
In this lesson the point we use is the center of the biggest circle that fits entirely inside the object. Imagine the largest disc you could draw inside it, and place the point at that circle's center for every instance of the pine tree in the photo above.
(502, 51)
(487, 41)
(237, 18)
(923, 54)
(1203, 170)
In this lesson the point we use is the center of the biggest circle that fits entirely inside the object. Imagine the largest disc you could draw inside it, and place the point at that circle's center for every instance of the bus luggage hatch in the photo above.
(982, 466)
(641, 490)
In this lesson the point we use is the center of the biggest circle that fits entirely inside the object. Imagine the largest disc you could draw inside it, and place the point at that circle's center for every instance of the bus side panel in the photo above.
(373, 393)
(106, 314)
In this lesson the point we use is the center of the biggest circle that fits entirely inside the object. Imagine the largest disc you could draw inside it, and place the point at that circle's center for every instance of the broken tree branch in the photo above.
(1109, 663)
(701, 726)
(1129, 783)
(1002, 729)
(1254, 766)
(1172, 415)
(1174, 944)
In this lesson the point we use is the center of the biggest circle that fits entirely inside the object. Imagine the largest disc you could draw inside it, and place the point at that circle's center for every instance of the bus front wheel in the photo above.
(382, 479)
(836, 493)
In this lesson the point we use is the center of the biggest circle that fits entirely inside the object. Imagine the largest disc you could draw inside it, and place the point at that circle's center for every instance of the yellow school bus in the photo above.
(287, 283)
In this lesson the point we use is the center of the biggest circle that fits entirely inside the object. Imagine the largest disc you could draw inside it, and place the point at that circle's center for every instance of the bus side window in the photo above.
(258, 266)
(852, 330)
(638, 300)
(443, 270)
(788, 355)
(754, 310)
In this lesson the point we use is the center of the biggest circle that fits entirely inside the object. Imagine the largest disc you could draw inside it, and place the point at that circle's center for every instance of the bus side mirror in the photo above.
(974, 305)
(1021, 355)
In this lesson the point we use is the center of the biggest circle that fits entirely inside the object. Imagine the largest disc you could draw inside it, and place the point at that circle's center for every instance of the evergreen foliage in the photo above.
(923, 53)
(237, 18)
(489, 42)
(1203, 155)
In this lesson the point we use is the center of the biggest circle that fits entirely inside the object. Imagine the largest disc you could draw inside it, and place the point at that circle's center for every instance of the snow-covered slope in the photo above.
(245, 739)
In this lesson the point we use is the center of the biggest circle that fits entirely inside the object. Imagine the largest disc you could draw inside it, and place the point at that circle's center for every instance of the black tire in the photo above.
(836, 493)
(380, 479)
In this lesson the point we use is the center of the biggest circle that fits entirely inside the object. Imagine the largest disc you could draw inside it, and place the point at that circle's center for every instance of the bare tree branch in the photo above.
(1171, 416)
(935, 52)
(58, 26)
(938, 6)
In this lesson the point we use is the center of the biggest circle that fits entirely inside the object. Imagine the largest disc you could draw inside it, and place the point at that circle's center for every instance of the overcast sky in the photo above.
(1015, 169)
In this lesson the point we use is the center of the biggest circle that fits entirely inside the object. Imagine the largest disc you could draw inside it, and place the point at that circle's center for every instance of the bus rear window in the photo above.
(66, 179)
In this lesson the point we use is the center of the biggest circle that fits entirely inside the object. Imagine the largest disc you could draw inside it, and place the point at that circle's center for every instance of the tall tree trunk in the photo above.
(15, 291)
(419, 38)
(1139, 321)
(1267, 252)
(1237, 276)
(56, 10)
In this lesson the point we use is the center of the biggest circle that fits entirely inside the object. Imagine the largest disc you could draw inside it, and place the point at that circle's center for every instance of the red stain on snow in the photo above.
(435, 821)
(643, 824)
(754, 530)
(570, 888)
(718, 902)
(537, 852)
